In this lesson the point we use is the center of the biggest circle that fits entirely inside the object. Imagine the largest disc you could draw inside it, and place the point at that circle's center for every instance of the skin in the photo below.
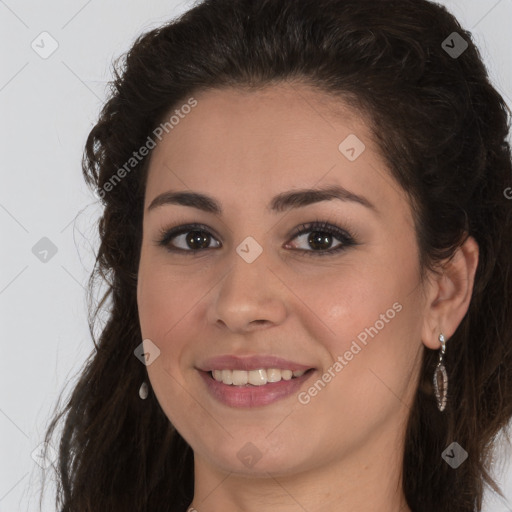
(343, 449)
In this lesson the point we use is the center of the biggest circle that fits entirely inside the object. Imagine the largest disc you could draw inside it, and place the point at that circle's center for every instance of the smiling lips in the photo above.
(252, 381)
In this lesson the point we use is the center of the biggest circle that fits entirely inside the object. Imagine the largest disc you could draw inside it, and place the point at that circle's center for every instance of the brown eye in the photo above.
(189, 238)
(318, 238)
(197, 239)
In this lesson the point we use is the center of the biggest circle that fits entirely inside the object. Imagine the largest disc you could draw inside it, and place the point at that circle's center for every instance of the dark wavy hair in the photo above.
(442, 128)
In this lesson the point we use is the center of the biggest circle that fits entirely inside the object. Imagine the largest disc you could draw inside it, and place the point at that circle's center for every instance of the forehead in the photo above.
(238, 143)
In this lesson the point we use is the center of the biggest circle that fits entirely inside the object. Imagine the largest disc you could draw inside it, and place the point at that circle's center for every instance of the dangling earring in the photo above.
(143, 390)
(441, 377)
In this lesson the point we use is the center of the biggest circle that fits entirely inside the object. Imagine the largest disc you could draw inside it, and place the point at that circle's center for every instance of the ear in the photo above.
(448, 294)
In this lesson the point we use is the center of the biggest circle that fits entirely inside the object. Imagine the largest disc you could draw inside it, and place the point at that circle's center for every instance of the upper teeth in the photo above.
(254, 377)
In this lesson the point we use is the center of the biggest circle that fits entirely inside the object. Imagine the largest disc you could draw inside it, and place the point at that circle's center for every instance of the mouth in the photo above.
(254, 388)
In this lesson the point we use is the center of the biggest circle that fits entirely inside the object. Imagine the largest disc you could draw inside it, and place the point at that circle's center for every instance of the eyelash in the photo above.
(346, 238)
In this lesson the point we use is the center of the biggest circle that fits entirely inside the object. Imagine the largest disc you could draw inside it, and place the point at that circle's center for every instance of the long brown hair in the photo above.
(442, 128)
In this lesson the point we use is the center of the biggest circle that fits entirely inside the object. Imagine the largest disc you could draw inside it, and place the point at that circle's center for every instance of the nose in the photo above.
(250, 297)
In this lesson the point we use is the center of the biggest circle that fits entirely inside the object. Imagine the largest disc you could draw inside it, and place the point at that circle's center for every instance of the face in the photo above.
(271, 281)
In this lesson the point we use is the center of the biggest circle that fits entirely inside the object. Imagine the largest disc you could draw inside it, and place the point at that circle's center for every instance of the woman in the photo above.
(307, 244)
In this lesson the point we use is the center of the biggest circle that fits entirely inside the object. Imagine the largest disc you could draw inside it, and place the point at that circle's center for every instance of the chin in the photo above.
(251, 461)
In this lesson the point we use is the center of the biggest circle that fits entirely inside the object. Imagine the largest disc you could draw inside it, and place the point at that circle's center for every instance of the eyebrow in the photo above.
(280, 203)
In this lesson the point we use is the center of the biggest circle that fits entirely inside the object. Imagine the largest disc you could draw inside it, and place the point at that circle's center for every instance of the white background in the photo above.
(47, 107)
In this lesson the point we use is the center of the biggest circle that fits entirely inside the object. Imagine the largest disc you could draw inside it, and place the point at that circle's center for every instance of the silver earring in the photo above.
(441, 377)
(143, 390)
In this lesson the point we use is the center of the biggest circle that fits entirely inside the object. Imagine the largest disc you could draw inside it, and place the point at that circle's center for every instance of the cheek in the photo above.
(172, 311)
(163, 298)
(369, 325)
(153, 301)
